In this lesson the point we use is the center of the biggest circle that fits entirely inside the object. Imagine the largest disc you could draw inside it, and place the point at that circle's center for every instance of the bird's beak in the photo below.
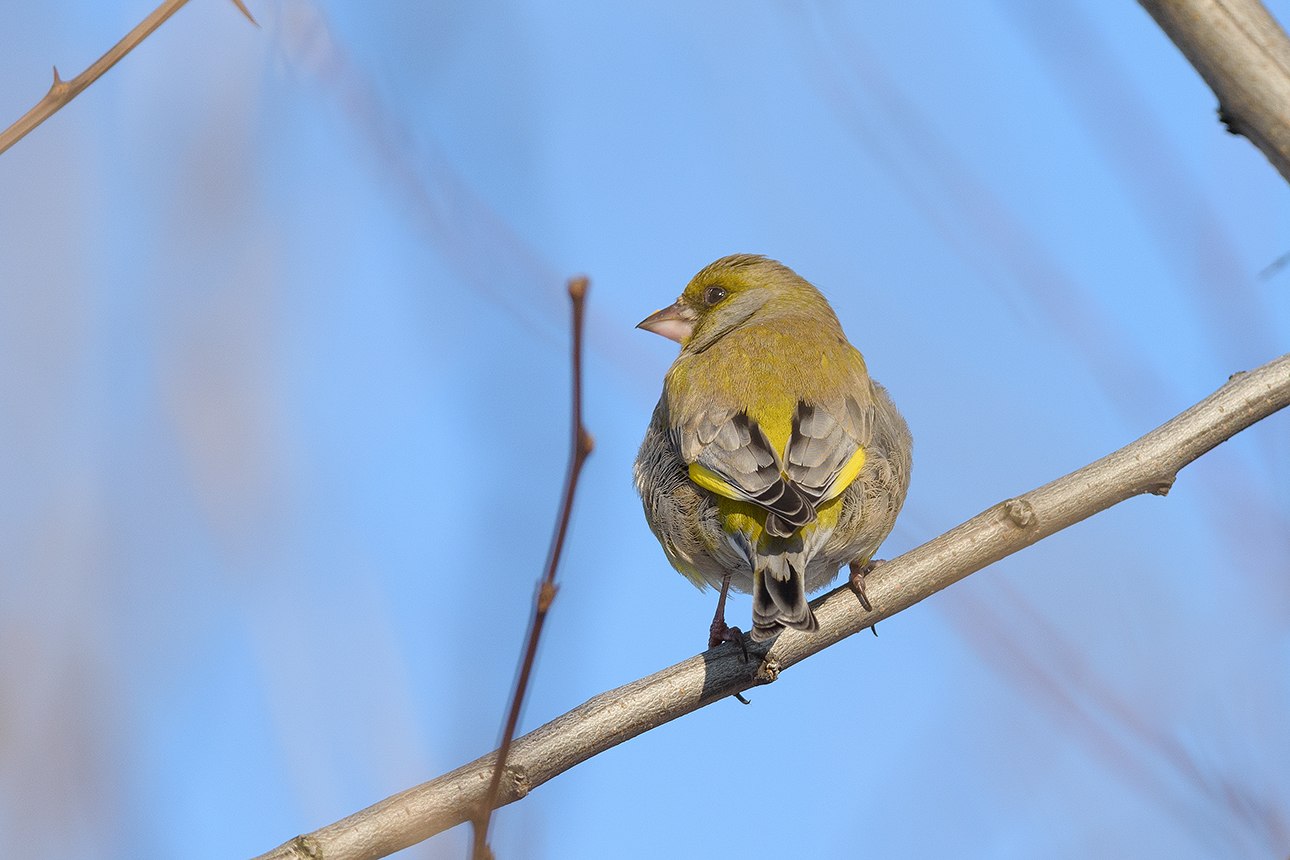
(674, 322)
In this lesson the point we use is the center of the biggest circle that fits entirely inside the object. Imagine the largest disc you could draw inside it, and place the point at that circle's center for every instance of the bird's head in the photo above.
(732, 292)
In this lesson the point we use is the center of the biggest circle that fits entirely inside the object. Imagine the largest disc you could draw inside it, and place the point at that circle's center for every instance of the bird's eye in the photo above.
(712, 295)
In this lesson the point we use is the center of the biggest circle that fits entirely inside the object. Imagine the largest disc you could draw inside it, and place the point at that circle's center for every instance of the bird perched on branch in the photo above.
(772, 458)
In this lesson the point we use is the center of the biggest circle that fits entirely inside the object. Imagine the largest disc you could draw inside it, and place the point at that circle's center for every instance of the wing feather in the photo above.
(730, 455)
(825, 450)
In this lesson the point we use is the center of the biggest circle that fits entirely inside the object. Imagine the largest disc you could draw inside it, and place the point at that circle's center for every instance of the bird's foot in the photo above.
(721, 632)
(858, 573)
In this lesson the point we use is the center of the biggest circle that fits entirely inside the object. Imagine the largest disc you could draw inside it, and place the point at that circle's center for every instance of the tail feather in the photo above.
(779, 597)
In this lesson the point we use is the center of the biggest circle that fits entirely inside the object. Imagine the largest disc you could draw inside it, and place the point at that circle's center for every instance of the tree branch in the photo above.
(1148, 465)
(1244, 56)
(61, 92)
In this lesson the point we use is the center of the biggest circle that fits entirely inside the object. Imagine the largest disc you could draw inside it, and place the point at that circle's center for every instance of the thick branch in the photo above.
(61, 92)
(1145, 466)
(1244, 56)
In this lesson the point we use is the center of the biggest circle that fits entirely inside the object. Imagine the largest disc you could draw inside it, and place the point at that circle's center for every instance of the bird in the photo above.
(772, 457)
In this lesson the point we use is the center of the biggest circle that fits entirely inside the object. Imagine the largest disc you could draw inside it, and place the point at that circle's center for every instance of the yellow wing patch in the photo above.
(712, 482)
(849, 472)
(737, 516)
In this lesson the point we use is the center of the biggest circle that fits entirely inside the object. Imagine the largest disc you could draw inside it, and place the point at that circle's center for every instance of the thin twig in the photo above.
(61, 92)
(1147, 465)
(580, 448)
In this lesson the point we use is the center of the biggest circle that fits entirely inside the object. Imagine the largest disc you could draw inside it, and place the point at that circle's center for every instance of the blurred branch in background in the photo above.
(1244, 56)
(1148, 465)
(61, 92)
(972, 216)
(580, 449)
(481, 245)
(1124, 123)
(1058, 672)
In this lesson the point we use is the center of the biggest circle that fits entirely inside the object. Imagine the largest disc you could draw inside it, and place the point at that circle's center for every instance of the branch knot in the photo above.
(1161, 486)
(1021, 512)
(768, 671)
(518, 777)
(306, 846)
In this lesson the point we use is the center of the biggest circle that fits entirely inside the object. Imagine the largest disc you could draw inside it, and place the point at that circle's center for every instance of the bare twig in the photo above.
(580, 448)
(61, 92)
(1244, 56)
(1147, 465)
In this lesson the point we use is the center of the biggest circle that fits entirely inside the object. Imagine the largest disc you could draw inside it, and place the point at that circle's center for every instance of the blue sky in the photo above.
(283, 405)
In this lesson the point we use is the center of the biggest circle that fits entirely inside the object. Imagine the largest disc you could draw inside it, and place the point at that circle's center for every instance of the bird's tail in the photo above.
(779, 595)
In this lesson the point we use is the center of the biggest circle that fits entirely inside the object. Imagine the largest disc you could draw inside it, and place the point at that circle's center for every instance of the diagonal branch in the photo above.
(1244, 56)
(1148, 465)
(61, 92)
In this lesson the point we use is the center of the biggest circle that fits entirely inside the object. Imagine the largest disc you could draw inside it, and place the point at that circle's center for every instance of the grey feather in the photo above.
(738, 451)
(779, 594)
(819, 447)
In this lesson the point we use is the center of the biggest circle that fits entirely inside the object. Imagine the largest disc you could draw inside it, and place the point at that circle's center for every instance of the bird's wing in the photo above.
(729, 455)
(826, 449)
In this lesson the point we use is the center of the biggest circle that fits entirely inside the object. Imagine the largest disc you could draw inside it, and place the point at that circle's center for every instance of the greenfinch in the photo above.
(772, 458)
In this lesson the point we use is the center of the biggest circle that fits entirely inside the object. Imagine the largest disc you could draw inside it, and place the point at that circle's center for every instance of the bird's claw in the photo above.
(722, 632)
(858, 573)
